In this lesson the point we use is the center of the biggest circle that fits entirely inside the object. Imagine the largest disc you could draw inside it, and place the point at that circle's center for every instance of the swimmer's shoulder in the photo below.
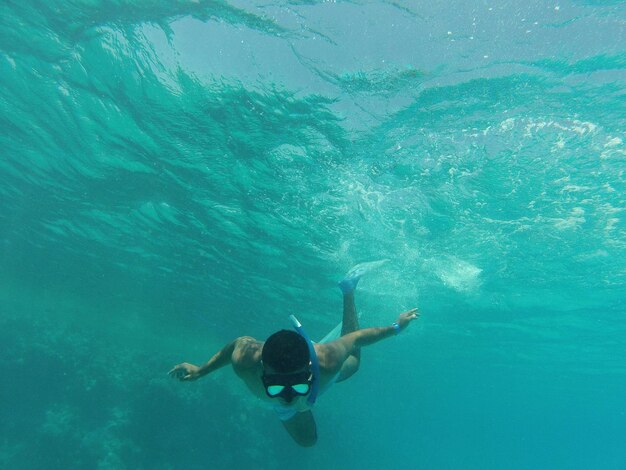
(247, 353)
(330, 356)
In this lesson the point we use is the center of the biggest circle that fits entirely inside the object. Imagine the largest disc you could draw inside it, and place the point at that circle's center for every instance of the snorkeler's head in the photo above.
(285, 351)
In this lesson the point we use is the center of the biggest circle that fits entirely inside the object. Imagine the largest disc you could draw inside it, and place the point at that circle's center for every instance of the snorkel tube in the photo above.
(315, 365)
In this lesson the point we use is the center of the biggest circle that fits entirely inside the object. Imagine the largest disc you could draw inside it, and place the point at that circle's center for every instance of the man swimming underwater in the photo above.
(290, 371)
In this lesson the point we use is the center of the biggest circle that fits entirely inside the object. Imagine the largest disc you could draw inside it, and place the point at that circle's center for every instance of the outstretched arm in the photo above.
(186, 371)
(366, 336)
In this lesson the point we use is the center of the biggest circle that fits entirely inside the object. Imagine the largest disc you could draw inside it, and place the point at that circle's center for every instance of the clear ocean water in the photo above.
(175, 174)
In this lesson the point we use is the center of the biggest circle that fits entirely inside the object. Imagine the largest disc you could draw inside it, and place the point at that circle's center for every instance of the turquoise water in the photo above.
(177, 174)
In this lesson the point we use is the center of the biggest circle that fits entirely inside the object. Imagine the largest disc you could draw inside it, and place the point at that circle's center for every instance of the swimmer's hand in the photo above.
(407, 317)
(185, 372)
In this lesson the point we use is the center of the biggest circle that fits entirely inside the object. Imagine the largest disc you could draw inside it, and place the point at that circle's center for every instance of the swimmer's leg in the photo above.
(301, 427)
(348, 286)
(350, 323)
(350, 318)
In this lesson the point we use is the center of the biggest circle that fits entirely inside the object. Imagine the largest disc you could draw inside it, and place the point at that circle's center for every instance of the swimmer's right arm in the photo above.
(187, 372)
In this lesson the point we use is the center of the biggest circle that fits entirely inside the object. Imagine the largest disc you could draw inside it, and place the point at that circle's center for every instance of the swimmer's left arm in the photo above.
(368, 336)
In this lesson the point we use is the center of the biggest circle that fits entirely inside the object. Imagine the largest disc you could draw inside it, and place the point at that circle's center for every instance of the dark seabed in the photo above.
(175, 174)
